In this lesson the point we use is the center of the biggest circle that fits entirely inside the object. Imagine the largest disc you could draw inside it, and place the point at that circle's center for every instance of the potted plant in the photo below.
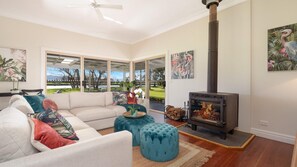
(133, 110)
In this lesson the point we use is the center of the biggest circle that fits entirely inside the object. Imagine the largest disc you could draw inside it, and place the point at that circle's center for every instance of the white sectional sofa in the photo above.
(95, 109)
(86, 112)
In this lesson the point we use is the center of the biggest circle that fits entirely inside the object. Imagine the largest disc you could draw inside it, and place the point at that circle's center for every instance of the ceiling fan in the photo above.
(97, 6)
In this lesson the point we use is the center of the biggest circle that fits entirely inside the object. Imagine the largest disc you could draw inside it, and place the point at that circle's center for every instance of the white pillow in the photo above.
(15, 133)
(23, 106)
(15, 98)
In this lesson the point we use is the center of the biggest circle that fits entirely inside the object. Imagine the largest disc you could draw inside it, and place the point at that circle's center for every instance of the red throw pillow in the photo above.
(131, 98)
(48, 103)
(48, 136)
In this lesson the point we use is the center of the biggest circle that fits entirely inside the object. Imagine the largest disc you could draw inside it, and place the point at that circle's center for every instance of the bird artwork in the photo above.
(289, 47)
(282, 48)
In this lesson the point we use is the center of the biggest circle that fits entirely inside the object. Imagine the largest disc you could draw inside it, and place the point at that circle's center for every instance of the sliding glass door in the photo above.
(150, 77)
(157, 83)
(140, 73)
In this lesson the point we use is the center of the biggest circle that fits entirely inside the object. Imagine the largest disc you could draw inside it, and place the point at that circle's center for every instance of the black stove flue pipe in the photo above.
(213, 33)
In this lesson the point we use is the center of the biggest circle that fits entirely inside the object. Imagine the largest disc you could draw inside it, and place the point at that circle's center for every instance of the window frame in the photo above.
(82, 57)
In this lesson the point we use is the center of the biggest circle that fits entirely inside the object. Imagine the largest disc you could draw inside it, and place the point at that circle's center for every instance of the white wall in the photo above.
(234, 57)
(268, 96)
(32, 37)
(274, 93)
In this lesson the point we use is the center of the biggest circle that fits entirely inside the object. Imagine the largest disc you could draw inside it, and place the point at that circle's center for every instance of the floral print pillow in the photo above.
(119, 98)
(57, 122)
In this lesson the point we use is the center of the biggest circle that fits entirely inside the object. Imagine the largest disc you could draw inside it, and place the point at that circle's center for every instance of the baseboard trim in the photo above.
(273, 135)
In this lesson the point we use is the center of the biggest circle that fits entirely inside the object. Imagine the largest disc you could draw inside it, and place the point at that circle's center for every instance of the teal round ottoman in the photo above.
(132, 125)
(159, 142)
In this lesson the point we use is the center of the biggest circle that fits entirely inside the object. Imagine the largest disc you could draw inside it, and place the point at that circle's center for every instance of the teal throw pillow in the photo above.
(35, 102)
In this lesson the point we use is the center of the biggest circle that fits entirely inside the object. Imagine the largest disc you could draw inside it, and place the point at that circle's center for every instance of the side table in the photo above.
(132, 125)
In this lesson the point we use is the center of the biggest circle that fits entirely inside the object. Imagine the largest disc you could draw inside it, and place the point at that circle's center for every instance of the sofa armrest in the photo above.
(110, 150)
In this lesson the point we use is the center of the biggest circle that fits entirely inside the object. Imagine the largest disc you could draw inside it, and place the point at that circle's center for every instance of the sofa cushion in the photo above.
(22, 105)
(15, 133)
(108, 98)
(118, 109)
(58, 122)
(44, 137)
(93, 113)
(61, 99)
(15, 98)
(65, 113)
(76, 123)
(35, 102)
(87, 134)
(78, 99)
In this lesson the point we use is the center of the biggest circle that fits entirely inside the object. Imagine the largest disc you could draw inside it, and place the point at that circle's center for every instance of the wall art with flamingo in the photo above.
(282, 48)
(182, 65)
(12, 64)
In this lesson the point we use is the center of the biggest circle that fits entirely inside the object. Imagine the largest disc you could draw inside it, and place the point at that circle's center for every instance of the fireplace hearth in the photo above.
(213, 110)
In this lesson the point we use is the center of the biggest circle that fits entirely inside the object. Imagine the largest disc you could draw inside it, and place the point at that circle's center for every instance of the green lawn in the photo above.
(157, 92)
(67, 90)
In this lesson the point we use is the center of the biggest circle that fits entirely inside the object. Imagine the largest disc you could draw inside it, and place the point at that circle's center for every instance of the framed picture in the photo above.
(12, 64)
(282, 48)
(182, 65)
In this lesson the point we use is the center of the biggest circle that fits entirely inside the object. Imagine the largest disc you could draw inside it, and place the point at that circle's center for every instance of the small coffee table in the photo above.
(132, 125)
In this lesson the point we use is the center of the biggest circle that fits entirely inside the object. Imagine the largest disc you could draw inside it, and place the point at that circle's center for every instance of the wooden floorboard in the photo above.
(260, 152)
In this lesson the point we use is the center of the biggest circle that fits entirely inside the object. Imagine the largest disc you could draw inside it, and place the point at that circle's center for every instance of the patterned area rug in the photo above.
(189, 155)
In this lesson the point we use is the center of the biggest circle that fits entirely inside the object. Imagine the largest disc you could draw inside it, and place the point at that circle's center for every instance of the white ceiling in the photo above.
(141, 18)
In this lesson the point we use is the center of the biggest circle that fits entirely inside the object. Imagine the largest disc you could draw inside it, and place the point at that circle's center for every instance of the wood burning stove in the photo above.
(213, 110)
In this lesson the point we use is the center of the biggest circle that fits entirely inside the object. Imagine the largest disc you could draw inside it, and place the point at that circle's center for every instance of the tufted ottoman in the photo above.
(132, 125)
(159, 142)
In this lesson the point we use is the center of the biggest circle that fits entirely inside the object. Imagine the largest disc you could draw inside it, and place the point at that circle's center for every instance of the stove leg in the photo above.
(194, 127)
(231, 132)
(223, 135)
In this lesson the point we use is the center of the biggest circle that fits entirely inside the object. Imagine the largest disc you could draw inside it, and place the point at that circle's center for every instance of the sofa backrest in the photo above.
(21, 104)
(81, 99)
(61, 99)
(108, 98)
(15, 134)
(15, 98)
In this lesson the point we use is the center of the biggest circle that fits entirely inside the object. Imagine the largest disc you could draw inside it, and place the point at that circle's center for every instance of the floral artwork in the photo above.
(12, 64)
(282, 48)
(182, 65)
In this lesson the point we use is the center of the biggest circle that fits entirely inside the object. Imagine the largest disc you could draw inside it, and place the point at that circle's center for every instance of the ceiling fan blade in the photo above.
(111, 6)
(77, 5)
(99, 14)
(111, 19)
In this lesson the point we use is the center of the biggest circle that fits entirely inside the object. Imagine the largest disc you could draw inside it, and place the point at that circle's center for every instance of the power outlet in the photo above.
(264, 123)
